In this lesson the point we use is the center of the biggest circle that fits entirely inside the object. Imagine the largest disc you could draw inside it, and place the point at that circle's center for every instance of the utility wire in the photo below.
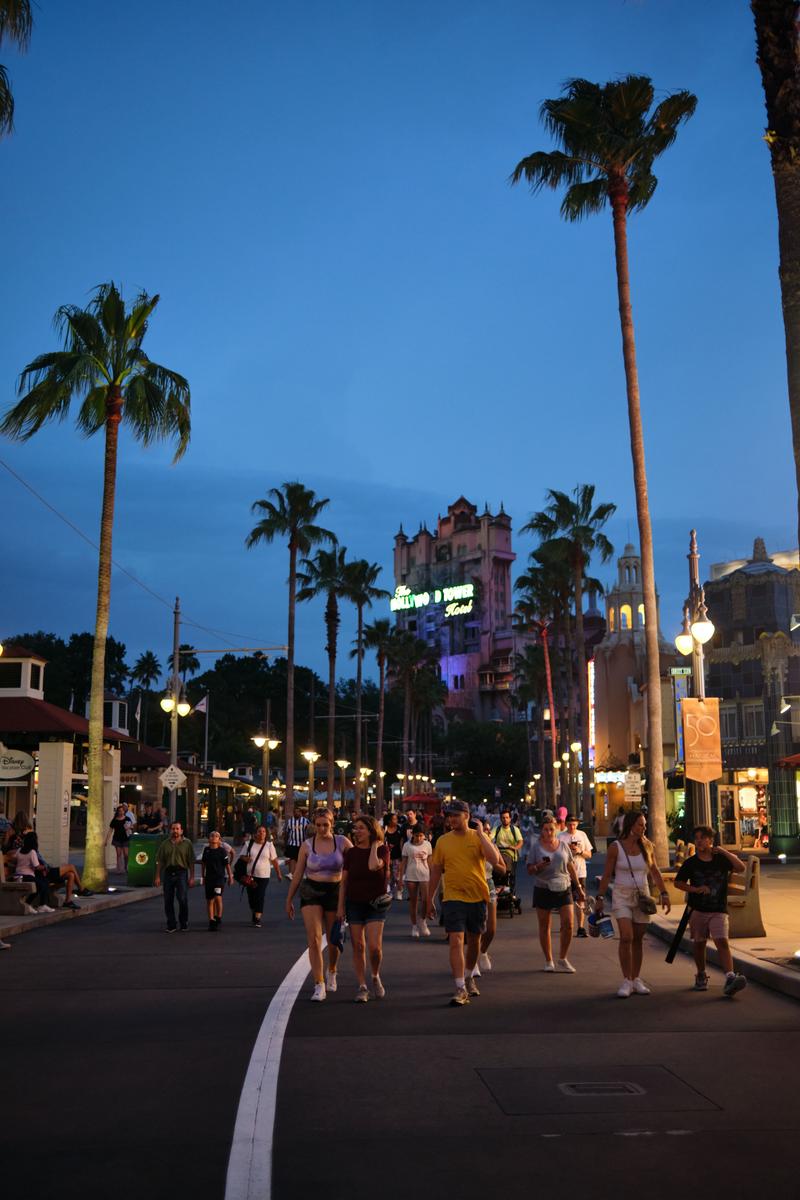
(118, 566)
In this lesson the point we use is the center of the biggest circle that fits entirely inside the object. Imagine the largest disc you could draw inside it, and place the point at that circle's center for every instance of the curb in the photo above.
(771, 975)
(11, 926)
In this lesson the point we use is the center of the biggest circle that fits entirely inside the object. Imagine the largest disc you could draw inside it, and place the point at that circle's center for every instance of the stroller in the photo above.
(507, 899)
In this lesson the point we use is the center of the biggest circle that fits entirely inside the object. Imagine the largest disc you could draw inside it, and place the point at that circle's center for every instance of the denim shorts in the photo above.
(361, 912)
(549, 901)
(461, 916)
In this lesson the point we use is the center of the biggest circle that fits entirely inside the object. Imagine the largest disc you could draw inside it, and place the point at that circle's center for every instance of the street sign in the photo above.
(633, 785)
(173, 777)
(680, 670)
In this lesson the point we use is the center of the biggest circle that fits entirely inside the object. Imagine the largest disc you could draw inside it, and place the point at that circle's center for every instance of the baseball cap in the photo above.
(457, 806)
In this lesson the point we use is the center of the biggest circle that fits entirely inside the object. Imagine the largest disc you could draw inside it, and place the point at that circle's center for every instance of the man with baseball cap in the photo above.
(460, 855)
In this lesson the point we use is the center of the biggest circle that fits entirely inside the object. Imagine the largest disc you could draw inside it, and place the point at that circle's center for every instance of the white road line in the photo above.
(250, 1163)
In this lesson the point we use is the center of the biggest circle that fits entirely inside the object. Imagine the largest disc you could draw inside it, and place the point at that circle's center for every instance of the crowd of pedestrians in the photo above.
(448, 867)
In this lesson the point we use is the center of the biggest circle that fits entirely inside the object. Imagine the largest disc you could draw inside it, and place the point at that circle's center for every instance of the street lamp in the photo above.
(174, 701)
(697, 630)
(365, 773)
(265, 744)
(343, 764)
(311, 757)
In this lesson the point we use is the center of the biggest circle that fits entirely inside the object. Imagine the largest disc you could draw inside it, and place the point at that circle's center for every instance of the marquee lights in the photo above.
(458, 599)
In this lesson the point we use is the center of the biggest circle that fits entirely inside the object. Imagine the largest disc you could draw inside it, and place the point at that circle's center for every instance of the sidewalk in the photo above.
(11, 925)
(769, 960)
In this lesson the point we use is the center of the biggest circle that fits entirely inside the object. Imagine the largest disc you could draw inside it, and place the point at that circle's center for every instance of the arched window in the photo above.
(625, 617)
(640, 611)
(612, 619)
(627, 574)
(635, 572)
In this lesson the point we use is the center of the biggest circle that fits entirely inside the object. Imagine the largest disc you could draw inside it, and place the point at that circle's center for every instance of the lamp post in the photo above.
(265, 744)
(343, 764)
(364, 773)
(311, 757)
(697, 630)
(575, 763)
(174, 700)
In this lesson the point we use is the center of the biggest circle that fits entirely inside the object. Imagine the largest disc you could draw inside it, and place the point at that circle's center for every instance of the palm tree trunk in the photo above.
(289, 802)
(542, 763)
(553, 732)
(332, 623)
(777, 42)
(406, 730)
(655, 753)
(94, 870)
(359, 662)
(583, 693)
(379, 801)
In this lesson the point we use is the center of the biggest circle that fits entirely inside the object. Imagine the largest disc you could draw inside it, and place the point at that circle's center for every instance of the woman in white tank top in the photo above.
(631, 865)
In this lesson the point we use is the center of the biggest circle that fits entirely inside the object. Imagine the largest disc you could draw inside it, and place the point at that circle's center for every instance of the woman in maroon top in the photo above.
(364, 899)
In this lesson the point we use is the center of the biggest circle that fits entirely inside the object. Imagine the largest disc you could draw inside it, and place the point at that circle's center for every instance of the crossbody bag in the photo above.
(644, 902)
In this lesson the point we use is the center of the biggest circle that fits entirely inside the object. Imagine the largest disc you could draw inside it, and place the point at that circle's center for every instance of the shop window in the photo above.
(728, 724)
(640, 611)
(753, 722)
(625, 617)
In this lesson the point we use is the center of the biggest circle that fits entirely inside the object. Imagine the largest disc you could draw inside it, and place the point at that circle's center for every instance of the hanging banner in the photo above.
(701, 739)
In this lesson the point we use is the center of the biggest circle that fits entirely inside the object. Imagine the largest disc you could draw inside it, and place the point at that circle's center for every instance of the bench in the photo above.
(12, 892)
(744, 902)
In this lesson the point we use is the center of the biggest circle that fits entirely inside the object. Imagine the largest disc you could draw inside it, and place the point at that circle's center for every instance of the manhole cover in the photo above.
(611, 1088)
(534, 1091)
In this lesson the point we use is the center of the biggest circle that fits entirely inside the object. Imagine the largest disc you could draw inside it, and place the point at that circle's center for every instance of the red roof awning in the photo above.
(23, 714)
(792, 760)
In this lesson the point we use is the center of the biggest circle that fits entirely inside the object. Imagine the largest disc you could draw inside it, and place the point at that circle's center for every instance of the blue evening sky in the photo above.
(318, 191)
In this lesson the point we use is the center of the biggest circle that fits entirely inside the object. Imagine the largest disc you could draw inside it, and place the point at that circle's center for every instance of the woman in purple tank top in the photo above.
(317, 877)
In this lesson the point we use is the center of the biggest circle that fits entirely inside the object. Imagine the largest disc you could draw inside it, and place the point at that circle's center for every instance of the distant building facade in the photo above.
(453, 591)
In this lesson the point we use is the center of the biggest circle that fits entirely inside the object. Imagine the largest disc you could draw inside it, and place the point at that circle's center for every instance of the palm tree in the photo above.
(290, 512)
(778, 46)
(535, 611)
(16, 24)
(530, 676)
(609, 140)
(407, 655)
(326, 575)
(361, 591)
(105, 367)
(146, 670)
(577, 524)
(378, 637)
(188, 660)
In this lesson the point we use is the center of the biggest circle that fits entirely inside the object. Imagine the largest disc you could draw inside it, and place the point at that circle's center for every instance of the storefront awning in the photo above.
(792, 761)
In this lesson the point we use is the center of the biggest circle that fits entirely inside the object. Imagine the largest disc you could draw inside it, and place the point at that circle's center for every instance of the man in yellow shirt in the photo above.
(460, 855)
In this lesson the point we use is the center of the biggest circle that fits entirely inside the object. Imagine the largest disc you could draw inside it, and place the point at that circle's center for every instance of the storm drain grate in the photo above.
(598, 1088)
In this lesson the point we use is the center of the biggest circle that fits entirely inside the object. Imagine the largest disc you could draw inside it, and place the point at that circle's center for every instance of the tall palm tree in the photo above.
(103, 366)
(407, 655)
(290, 512)
(378, 637)
(146, 670)
(188, 660)
(535, 611)
(361, 591)
(530, 677)
(778, 52)
(16, 25)
(577, 523)
(326, 575)
(610, 136)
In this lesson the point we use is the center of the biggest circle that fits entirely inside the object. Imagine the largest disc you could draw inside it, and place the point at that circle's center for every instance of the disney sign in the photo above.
(14, 764)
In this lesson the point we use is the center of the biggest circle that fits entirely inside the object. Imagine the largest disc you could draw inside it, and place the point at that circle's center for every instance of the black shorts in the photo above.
(211, 886)
(545, 899)
(292, 852)
(461, 916)
(53, 877)
(319, 893)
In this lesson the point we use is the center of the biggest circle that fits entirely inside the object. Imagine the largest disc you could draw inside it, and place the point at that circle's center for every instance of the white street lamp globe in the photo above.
(167, 703)
(684, 644)
(702, 630)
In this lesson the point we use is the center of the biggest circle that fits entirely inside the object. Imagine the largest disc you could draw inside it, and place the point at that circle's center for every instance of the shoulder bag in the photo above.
(644, 902)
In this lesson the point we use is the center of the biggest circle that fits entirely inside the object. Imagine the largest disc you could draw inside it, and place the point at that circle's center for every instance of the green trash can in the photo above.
(142, 849)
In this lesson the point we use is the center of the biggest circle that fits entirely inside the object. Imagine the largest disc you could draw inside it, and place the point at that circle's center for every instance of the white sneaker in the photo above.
(398, 893)
(27, 908)
(549, 966)
(415, 931)
(319, 991)
(565, 965)
(378, 988)
(45, 908)
(5, 945)
(484, 962)
(423, 928)
(625, 989)
(331, 981)
(640, 988)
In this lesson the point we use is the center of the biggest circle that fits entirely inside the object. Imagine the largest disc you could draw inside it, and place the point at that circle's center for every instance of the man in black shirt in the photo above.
(704, 877)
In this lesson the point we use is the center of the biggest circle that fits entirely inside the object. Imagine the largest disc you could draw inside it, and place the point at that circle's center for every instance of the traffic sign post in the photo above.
(172, 778)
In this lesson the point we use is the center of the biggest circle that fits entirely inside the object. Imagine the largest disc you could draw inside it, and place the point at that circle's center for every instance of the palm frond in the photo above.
(583, 199)
(16, 22)
(6, 103)
(548, 169)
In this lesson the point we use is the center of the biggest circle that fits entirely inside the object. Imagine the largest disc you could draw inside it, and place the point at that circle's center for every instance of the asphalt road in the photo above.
(125, 1050)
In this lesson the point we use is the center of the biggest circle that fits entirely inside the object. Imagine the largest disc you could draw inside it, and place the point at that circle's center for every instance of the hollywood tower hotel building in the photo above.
(453, 591)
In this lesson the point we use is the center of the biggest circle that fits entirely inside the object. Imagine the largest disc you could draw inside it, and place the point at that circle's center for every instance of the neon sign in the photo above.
(458, 599)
